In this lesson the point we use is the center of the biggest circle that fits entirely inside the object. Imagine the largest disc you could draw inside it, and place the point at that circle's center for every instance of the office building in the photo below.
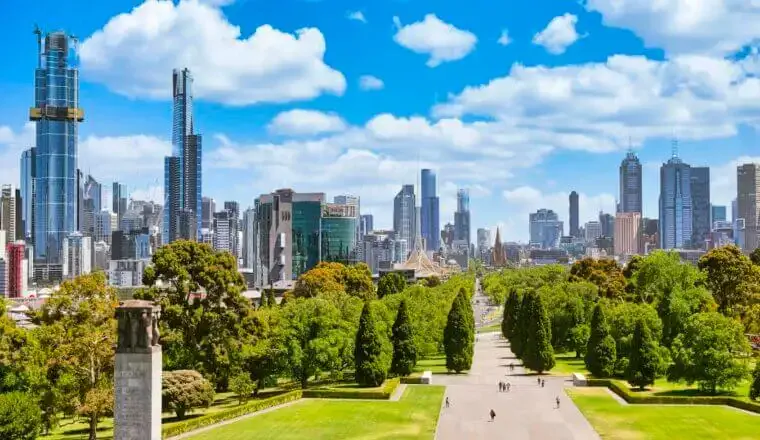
(379, 250)
(593, 230)
(132, 245)
(404, 214)
(8, 212)
(429, 211)
(700, 207)
(627, 233)
(57, 114)
(101, 257)
(338, 233)
(366, 224)
(462, 217)
(249, 238)
(208, 208)
(119, 201)
(233, 219)
(91, 205)
(607, 221)
(676, 221)
(27, 169)
(223, 232)
(77, 255)
(3, 278)
(748, 205)
(718, 214)
(484, 245)
(16, 279)
(630, 184)
(574, 215)
(126, 273)
(183, 170)
(545, 229)
(105, 223)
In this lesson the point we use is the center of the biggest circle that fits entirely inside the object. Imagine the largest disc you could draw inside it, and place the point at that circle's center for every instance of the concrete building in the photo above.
(366, 224)
(208, 208)
(748, 204)
(607, 222)
(627, 234)
(105, 223)
(119, 201)
(249, 238)
(126, 273)
(379, 250)
(16, 279)
(718, 214)
(223, 230)
(593, 230)
(101, 251)
(77, 257)
(484, 244)
(574, 215)
(545, 229)
(8, 212)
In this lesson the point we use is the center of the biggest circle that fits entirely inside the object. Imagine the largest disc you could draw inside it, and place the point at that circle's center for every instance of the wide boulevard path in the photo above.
(526, 412)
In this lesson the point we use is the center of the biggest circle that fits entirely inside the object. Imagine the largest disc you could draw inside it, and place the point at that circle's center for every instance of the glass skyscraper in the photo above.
(27, 169)
(675, 204)
(429, 211)
(462, 216)
(182, 170)
(630, 184)
(404, 215)
(700, 207)
(57, 114)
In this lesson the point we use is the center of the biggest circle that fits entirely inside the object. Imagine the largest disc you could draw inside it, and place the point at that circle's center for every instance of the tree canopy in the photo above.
(459, 334)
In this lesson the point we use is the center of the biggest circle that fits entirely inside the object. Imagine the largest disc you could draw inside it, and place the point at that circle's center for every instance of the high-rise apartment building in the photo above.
(8, 212)
(462, 217)
(366, 224)
(57, 114)
(404, 214)
(545, 228)
(249, 238)
(27, 169)
(700, 207)
(208, 208)
(183, 170)
(119, 201)
(233, 208)
(429, 211)
(593, 230)
(16, 280)
(676, 221)
(748, 205)
(77, 255)
(627, 233)
(105, 223)
(223, 232)
(630, 184)
(574, 215)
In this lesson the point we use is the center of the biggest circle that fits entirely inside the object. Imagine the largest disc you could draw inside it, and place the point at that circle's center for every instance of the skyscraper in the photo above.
(748, 204)
(27, 168)
(574, 226)
(545, 228)
(183, 171)
(717, 214)
(462, 217)
(119, 198)
(8, 212)
(249, 238)
(366, 224)
(627, 233)
(429, 212)
(675, 204)
(15, 261)
(700, 207)
(57, 113)
(208, 208)
(404, 215)
(607, 222)
(630, 184)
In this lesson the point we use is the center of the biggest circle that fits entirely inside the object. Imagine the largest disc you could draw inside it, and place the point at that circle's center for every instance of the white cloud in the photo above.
(155, 37)
(597, 106)
(300, 122)
(369, 82)
(559, 34)
(523, 200)
(431, 36)
(150, 193)
(682, 26)
(217, 2)
(504, 39)
(357, 16)
(12, 144)
(132, 158)
(723, 181)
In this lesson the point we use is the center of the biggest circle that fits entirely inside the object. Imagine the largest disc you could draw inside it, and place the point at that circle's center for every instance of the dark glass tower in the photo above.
(700, 206)
(675, 204)
(57, 114)
(574, 227)
(404, 215)
(28, 173)
(183, 177)
(630, 184)
(429, 212)
(462, 216)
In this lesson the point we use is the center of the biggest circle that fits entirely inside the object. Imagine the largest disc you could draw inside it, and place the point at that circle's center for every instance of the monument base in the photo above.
(137, 382)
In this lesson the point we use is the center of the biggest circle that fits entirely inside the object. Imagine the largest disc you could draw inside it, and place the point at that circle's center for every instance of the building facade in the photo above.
(627, 233)
(748, 206)
(630, 184)
(338, 233)
(462, 217)
(77, 258)
(700, 207)
(8, 212)
(546, 229)
(430, 211)
(16, 279)
(675, 204)
(366, 224)
(404, 214)
(574, 215)
(592, 230)
(27, 173)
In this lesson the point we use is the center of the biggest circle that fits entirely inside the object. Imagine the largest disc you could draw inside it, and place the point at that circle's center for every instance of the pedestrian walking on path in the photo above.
(557, 400)
(508, 386)
(543, 382)
(447, 402)
(493, 414)
(538, 380)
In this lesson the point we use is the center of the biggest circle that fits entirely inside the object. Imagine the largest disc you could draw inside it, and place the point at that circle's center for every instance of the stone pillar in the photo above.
(137, 376)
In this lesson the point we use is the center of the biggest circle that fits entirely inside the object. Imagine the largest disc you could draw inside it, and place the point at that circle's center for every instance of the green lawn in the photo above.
(662, 387)
(495, 327)
(670, 422)
(413, 417)
(436, 364)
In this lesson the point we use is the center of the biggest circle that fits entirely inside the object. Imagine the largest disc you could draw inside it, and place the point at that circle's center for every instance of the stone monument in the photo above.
(137, 376)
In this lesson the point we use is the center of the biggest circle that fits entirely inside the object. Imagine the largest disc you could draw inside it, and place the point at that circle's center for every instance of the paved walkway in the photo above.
(526, 412)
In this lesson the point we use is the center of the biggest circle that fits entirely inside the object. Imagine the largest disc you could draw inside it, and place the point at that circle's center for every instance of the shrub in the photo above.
(183, 390)
(242, 386)
(20, 417)
(754, 389)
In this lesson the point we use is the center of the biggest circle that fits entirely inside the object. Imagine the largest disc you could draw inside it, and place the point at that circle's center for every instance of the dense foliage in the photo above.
(404, 349)
(183, 390)
(390, 284)
(600, 352)
(20, 417)
(459, 334)
(538, 352)
(370, 367)
(645, 361)
(754, 389)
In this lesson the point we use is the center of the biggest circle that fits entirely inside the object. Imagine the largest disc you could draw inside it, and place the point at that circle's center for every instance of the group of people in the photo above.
(504, 387)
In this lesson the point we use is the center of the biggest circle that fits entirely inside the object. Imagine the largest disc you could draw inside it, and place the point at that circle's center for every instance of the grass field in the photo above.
(413, 417)
(495, 327)
(436, 364)
(613, 420)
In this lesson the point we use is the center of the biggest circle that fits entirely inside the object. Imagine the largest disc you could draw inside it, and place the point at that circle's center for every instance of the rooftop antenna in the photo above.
(630, 144)
(38, 32)
(674, 148)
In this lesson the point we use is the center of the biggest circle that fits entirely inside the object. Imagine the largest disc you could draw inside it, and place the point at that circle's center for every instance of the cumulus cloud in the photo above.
(228, 67)
(369, 82)
(597, 106)
(713, 27)
(12, 144)
(558, 35)
(723, 180)
(357, 16)
(442, 41)
(504, 39)
(300, 122)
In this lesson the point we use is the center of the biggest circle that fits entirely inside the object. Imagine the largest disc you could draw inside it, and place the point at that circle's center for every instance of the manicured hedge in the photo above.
(227, 414)
(622, 390)
(415, 379)
(384, 393)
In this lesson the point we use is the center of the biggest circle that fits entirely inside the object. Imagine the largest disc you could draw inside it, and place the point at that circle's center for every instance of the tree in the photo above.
(579, 339)
(660, 272)
(433, 281)
(520, 331)
(355, 280)
(706, 352)
(677, 305)
(731, 277)
(78, 324)
(458, 334)
(644, 360)
(600, 352)
(754, 256)
(754, 389)
(538, 353)
(368, 351)
(242, 385)
(183, 390)
(261, 352)
(390, 283)
(606, 274)
(202, 306)
(12, 341)
(404, 348)
(271, 298)
(20, 417)
(510, 316)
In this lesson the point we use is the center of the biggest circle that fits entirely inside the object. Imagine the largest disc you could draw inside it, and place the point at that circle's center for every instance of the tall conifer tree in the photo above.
(404, 349)
(370, 371)
(458, 334)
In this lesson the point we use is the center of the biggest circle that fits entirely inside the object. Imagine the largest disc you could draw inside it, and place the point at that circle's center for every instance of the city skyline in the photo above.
(256, 135)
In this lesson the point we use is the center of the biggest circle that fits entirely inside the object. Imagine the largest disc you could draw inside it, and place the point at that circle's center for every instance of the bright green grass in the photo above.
(413, 417)
(669, 422)
(662, 387)
(495, 327)
(566, 364)
(436, 364)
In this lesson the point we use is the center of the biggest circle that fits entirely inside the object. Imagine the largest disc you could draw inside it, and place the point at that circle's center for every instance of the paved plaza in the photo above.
(526, 412)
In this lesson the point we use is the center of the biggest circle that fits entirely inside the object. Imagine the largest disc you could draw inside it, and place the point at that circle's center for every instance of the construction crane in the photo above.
(37, 31)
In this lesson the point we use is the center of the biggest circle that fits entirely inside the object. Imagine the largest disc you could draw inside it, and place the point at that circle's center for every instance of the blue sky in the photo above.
(521, 102)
